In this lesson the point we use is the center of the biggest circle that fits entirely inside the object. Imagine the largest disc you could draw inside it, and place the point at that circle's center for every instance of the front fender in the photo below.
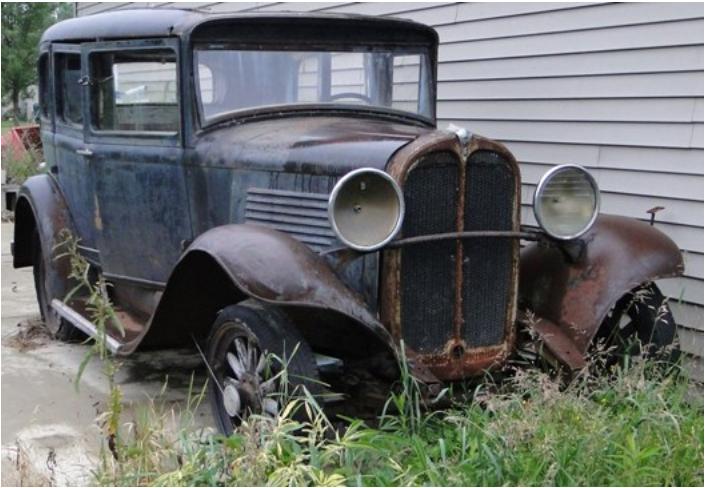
(232, 263)
(574, 297)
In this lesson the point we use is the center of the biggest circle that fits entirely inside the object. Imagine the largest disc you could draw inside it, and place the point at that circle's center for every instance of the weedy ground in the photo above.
(639, 427)
(634, 425)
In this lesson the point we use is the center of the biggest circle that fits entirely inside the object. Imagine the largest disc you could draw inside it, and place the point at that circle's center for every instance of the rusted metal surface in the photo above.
(652, 212)
(555, 341)
(575, 295)
(456, 360)
(301, 157)
(410, 241)
(271, 267)
(306, 145)
(345, 254)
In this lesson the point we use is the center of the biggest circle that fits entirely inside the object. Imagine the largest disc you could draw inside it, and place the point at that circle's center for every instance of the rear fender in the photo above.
(569, 298)
(232, 263)
(41, 206)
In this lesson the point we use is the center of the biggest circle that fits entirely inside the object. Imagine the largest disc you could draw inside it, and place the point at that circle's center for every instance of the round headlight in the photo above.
(566, 202)
(366, 209)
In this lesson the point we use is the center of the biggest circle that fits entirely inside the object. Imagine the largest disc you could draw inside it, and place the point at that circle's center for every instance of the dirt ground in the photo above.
(49, 429)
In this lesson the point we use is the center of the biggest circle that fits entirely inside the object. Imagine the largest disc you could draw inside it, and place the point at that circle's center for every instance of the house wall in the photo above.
(617, 88)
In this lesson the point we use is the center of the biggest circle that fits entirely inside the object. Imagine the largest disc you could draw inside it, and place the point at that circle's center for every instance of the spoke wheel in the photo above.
(245, 389)
(641, 323)
(244, 348)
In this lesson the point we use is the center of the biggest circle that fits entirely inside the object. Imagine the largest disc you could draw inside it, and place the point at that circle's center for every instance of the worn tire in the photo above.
(272, 333)
(650, 329)
(44, 276)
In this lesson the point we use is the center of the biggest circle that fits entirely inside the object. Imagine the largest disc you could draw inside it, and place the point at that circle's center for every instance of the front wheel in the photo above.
(640, 323)
(246, 348)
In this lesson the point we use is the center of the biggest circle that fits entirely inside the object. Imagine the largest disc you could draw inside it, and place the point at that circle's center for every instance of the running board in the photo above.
(83, 324)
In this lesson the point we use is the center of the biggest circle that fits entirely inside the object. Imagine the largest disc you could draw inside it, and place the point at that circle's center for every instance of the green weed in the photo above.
(636, 428)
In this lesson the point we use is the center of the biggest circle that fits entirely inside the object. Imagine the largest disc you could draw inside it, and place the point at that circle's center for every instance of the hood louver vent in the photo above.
(304, 216)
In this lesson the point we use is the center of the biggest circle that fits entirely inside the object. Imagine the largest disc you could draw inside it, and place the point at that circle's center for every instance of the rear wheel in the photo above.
(45, 281)
(246, 348)
(640, 323)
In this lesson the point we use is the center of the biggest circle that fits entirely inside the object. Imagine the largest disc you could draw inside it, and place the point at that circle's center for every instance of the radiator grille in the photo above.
(427, 270)
(487, 263)
(299, 214)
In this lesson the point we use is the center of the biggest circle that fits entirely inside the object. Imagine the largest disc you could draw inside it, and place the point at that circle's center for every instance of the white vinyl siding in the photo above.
(617, 88)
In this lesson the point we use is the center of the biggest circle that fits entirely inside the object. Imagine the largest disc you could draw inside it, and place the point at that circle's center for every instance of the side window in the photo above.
(68, 91)
(134, 91)
(44, 85)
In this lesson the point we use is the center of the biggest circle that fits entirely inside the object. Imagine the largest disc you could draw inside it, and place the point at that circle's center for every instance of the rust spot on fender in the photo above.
(572, 298)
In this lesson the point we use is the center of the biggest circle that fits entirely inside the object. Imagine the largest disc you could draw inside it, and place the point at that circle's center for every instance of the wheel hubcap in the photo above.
(244, 387)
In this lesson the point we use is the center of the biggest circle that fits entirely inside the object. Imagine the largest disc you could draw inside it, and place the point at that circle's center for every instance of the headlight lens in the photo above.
(566, 202)
(366, 209)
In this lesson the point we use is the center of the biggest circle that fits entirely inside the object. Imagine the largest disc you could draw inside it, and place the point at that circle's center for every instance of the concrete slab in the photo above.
(50, 433)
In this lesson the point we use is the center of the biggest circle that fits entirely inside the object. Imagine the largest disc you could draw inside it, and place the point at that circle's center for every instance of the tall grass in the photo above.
(635, 428)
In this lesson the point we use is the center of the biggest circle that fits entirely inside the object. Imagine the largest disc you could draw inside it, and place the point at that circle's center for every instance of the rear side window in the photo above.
(134, 91)
(68, 90)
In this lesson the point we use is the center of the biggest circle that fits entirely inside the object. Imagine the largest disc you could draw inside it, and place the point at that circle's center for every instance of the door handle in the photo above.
(84, 152)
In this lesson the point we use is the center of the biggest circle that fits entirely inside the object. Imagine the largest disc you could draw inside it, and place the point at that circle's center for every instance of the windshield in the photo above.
(232, 80)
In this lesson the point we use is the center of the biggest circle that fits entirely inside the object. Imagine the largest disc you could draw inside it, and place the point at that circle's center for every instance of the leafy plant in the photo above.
(95, 299)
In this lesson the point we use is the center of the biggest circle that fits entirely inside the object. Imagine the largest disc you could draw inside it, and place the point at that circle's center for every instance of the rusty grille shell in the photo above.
(458, 346)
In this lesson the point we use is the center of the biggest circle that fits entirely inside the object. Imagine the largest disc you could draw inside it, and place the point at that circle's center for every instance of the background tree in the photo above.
(22, 26)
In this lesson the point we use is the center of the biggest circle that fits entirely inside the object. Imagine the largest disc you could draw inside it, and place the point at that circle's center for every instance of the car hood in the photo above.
(314, 145)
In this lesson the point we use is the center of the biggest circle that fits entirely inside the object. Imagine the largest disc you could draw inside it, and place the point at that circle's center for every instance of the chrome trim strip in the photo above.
(80, 322)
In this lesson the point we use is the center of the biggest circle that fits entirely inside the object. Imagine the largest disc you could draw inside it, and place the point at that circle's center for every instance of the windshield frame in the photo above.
(427, 81)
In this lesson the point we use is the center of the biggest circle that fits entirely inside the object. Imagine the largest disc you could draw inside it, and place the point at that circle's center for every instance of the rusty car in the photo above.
(276, 185)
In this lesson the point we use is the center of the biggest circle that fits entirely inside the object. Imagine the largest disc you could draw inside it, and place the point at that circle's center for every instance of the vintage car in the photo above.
(275, 185)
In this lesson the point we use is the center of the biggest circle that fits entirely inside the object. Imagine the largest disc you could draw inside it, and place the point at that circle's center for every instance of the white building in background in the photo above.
(617, 88)
(26, 104)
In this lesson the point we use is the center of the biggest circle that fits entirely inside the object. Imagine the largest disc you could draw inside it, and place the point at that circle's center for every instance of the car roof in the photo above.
(151, 22)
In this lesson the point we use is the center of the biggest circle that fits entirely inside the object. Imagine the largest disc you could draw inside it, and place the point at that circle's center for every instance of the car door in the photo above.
(134, 135)
(68, 159)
